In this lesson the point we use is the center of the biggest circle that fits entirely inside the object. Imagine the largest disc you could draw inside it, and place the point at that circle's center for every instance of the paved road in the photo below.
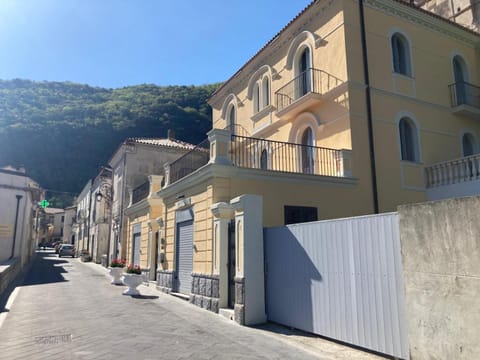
(68, 310)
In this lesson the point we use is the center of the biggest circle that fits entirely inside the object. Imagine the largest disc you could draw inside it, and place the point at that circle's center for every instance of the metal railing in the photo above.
(463, 93)
(454, 171)
(140, 192)
(310, 81)
(271, 155)
(191, 161)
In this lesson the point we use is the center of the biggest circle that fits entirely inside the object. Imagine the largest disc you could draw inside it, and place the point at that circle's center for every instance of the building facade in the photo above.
(131, 164)
(348, 110)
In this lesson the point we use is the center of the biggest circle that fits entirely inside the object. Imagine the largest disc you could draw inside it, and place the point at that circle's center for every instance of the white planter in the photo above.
(132, 281)
(116, 274)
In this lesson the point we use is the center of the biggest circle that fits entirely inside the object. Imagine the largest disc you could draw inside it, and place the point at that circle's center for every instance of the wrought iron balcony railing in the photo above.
(191, 161)
(140, 192)
(463, 93)
(310, 81)
(271, 155)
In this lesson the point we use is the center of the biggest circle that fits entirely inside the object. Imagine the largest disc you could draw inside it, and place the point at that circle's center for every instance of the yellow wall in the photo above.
(424, 96)
(143, 217)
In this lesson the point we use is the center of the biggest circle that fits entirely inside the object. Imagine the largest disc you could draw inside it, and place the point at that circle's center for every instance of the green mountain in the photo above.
(61, 132)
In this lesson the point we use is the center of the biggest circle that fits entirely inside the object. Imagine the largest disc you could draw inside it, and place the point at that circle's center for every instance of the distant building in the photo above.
(54, 218)
(19, 197)
(70, 218)
(132, 163)
(99, 220)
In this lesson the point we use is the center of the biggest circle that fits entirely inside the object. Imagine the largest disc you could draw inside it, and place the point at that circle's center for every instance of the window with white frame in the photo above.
(409, 145)
(261, 94)
(401, 55)
(231, 118)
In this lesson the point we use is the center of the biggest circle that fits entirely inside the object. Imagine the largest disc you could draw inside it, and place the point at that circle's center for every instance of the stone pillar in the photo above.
(155, 184)
(219, 146)
(249, 272)
(344, 163)
(166, 168)
(223, 213)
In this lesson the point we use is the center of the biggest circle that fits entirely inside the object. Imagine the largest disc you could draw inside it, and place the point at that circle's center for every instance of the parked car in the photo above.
(66, 250)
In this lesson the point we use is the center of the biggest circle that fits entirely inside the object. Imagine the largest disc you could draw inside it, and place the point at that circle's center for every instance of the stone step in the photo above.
(227, 313)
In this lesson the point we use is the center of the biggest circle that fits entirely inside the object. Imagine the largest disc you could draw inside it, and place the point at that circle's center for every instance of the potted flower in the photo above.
(132, 277)
(116, 270)
(85, 256)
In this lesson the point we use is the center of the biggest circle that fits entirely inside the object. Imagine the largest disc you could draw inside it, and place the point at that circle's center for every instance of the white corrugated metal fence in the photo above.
(341, 279)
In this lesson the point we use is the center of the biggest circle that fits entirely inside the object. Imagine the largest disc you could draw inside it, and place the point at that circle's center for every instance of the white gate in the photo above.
(341, 279)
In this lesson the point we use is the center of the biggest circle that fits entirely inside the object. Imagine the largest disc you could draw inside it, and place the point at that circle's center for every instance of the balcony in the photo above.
(188, 163)
(266, 155)
(311, 87)
(141, 192)
(454, 178)
(465, 99)
(252, 153)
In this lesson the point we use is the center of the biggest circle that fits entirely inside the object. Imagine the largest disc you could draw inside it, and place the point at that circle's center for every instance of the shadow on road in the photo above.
(144, 296)
(45, 269)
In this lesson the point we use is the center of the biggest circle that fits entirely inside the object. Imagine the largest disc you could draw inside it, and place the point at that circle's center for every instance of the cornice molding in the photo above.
(416, 16)
(210, 171)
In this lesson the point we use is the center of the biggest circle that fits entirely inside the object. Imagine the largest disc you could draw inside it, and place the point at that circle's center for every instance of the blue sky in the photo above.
(115, 43)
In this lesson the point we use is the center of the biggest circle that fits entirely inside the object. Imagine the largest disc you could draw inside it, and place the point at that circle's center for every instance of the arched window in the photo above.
(408, 140)
(231, 118)
(264, 159)
(303, 74)
(256, 98)
(307, 151)
(461, 78)
(401, 55)
(265, 91)
(469, 145)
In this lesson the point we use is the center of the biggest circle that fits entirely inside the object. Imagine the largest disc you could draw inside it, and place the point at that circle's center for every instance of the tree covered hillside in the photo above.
(62, 132)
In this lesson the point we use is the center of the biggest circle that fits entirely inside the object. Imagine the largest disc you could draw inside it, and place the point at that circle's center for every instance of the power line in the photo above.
(60, 192)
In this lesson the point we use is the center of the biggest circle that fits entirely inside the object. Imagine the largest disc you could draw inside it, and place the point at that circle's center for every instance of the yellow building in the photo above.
(142, 242)
(347, 111)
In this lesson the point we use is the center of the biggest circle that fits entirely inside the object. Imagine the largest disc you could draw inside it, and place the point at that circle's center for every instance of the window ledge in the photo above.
(262, 113)
(411, 162)
(404, 76)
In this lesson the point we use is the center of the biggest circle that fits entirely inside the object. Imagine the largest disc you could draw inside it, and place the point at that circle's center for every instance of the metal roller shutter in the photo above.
(184, 257)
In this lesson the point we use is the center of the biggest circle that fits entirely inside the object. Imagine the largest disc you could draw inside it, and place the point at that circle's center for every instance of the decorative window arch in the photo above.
(259, 88)
(229, 111)
(409, 140)
(231, 117)
(301, 122)
(401, 53)
(469, 144)
(461, 77)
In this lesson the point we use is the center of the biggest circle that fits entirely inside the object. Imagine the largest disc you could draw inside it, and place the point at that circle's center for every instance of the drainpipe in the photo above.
(15, 226)
(369, 108)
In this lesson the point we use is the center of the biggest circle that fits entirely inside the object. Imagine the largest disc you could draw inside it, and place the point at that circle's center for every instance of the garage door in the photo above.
(184, 257)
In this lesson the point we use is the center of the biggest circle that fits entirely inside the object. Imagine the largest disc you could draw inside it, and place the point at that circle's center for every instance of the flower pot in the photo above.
(116, 274)
(132, 281)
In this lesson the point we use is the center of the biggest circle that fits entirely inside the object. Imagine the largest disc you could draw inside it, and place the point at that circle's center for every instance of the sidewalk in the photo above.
(310, 343)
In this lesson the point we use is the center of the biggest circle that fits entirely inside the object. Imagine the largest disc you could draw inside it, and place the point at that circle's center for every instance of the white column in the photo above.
(223, 213)
(219, 146)
(249, 278)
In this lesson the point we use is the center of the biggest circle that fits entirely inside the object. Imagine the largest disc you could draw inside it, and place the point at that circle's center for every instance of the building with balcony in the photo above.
(348, 110)
(131, 164)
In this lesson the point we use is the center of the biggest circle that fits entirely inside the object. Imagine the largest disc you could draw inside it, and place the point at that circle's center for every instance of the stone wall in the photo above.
(8, 272)
(240, 300)
(205, 291)
(440, 245)
(165, 280)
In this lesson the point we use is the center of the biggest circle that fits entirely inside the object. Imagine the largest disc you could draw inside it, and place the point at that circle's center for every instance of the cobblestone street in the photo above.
(68, 310)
